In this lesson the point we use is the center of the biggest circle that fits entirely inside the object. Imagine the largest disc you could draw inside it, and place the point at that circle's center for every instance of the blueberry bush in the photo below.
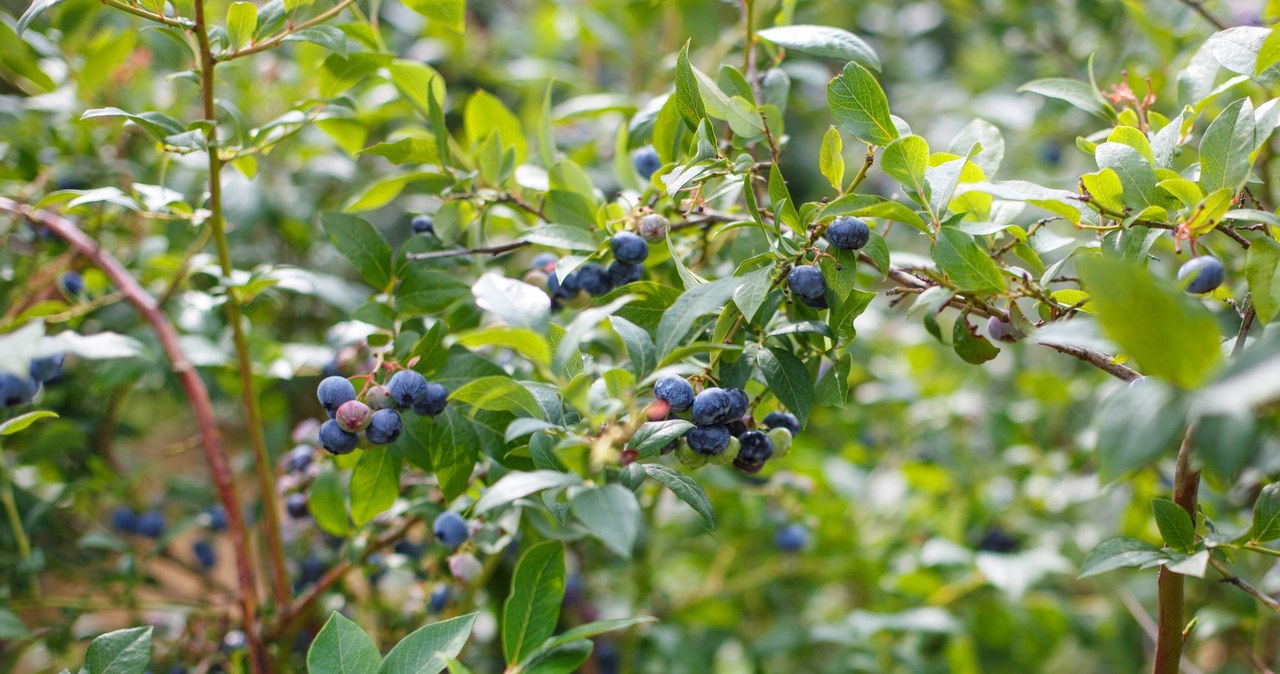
(620, 336)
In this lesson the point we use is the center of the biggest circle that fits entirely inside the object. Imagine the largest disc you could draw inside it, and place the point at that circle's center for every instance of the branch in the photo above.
(1099, 360)
(1198, 6)
(485, 250)
(1246, 322)
(158, 18)
(197, 394)
(1232, 579)
(1169, 637)
(276, 40)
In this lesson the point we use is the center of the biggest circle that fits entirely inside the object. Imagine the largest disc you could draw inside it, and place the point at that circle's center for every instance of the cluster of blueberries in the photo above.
(152, 524)
(378, 415)
(806, 282)
(629, 253)
(17, 390)
(722, 432)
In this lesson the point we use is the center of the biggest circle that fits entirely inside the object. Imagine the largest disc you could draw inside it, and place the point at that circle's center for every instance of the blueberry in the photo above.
(848, 233)
(72, 283)
(408, 549)
(738, 403)
(646, 161)
(819, 302)
(756, 449)
(124, 520)
(352, 416)
(384, 427)
(675, 391)
(608, 660)
(785, 420)
(407, 387)
(450, 529)
(737, 427)
(337, 441)
(543, 262)
(622, 273)
(312, 569)
(378, 398)
(628, 247)
(594, 279)
(433, 402)
(566, 288)
(439, 599)
(1201, 275)
(423, 224)
(299, 459)
(151, 524)
(376, 567)
(712, 407)
(653, 227)
(217, 518)
(708, 440)
(203, 551)
(296, 505)
(15, 390)
(997, 540)
(1002, 331)
(47, 368)
(781, 439)
(333, 391)
(806, 281)
(791, 538)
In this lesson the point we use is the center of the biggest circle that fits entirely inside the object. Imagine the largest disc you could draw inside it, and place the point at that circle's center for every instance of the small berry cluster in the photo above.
(629, 253)
(153, 524)
(378, 414)
(806, 281)
(723, 433)
(17, 390)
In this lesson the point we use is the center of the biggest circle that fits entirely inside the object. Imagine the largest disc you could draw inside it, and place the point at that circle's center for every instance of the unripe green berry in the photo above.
(689, 457)
(378, 398)
(727, 456)
(781, 439)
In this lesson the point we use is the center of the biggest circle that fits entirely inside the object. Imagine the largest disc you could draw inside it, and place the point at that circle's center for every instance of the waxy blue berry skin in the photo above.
(204, 554)
(564, 289)
(806, 282)
(450, 529)
(15, 390)
(423, 224)
(711, 407)
(848, 233)
(152, 524)
(73, 283)
(756, 448)
(296, 505)
(1205, 274)
(384, 427)
(47, 368)
(646, 161)
(782, 420)
(433, 402)
(738, 403)
(124, 520)
(708, 440)
(407, 388)
(791, 538)
(628, 247)
(594, 279)
(675, 391)
(1002, 331)
(299, 459)
(622, 273)
(544, 262)
(337, 441)
(439, 599)
(217, 518)
(312, 569)
(333, 391)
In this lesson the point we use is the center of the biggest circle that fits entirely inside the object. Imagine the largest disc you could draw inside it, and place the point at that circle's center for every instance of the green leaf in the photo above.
(1075, 92)
(823, 41)
(449, 14)
(157, 125)
(830, 159)
(385, 190)
(375, 484)
(985, 135)
(517, 485)
(1175, 525)
(532, 609)
(1170, 334)
(424, 291)
(341, 647)
(485, 114)
(1117, 553)
(339, 73)
(329, 37)
(562, 659)
(652, 436)
(906, 160)
(37, 8)
(12, 629)
(519, 304)
(688, 97)
(966, 263)
(406, 151)
(563, 236)
(640, 348)
(610, 513)
(242, 19)
(1266, 514)
(1137, 177)
(429, 649)
(969, 345)
(595, 628)
(126, 651)
(1226, 149)
(788, 381)
(500, 394)
(362, 245)
(22, 421)
(1137, 424)
(694, 302)
(1261, 266)
(454, 446)
(1269, 53)
(328, 503)
(685, 488)
(860, 106)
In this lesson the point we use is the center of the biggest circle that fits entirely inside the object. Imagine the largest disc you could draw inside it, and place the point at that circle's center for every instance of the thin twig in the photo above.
(1169, 635)
(1198, 6)
(1232, 579)
(276, 40)
(1246, 322)
(483, 250)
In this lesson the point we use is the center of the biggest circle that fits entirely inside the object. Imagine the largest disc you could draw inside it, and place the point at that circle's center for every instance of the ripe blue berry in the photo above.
(819, 303)
(384, 427)
(806, 282)
(563, 289)
(738, 402)
(124, 520)
(785, 420)
(628, 247)
(152, 524)
(675, 391)
(737, 427)
(47, 368)
(439, 599)
(622, 273)
(594, 279)
(203, 551)
(756, 449)
(299, 459)
(408, 549)
(312, 569)
(333, 391)
(72, 283)
(433, 402)
(407, 388)
(848, 233)
(296, 505)
(217, 518)
(1002, 331)
(1201, 275)
(15, 390)
(450, 529)
(423, 224)
(708, 440)
(335, 440)
(712, 407)
(544, 262)
(646, 161)
(791, 538)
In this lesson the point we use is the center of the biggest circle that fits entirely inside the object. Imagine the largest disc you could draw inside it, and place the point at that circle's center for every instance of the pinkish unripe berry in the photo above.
(653, 227)
(465, 567)
(353, 416)
(378, 398)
